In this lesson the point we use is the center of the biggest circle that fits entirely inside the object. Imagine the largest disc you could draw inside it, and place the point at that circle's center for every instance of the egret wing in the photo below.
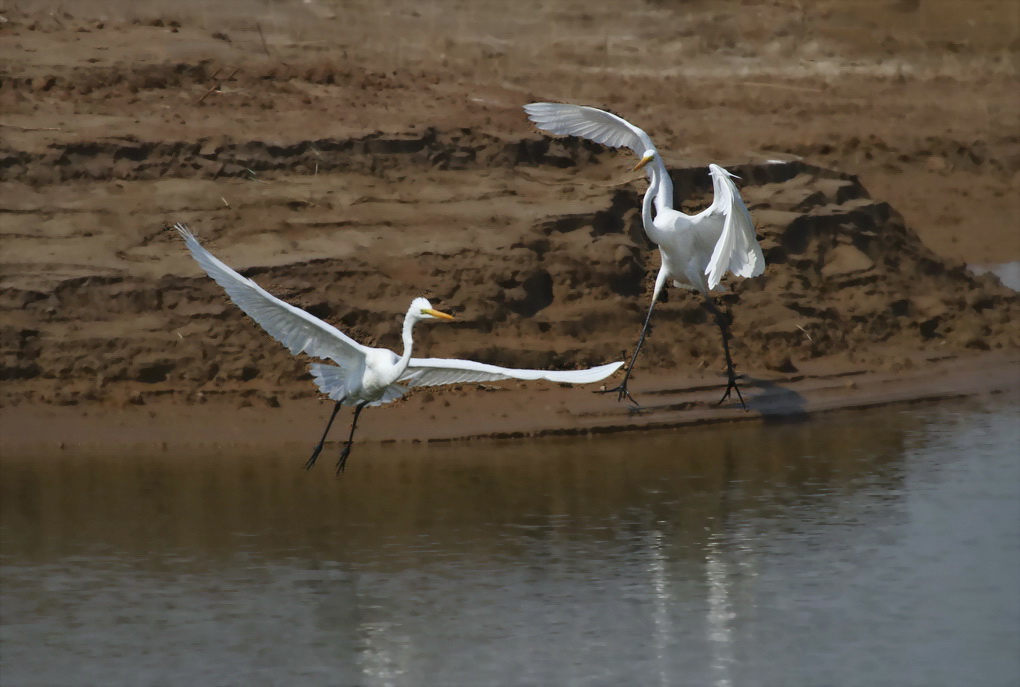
(591, 123)
(299, 331)
(737, 249)
(332, 381)
(438, 371)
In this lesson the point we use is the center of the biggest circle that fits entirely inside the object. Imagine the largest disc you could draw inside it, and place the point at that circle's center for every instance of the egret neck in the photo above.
(410, 319)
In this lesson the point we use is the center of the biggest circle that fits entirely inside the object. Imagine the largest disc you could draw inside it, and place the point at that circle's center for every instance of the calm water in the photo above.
(861, 549)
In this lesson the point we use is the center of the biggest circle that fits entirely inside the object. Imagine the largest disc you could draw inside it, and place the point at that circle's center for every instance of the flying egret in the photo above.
(696, 250)
(364, 376)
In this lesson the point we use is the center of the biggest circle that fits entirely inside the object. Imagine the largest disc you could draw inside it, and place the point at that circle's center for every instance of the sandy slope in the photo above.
(350, 156)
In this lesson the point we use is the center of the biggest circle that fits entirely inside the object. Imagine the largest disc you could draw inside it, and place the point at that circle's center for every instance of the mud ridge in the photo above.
(845, 273)
(208, 158)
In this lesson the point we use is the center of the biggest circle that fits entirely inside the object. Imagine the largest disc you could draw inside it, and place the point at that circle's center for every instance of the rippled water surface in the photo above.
(861, 549)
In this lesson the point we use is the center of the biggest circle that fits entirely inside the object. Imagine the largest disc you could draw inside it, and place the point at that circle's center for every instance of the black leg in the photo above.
(322, 441)
(731, 374)
(341, 464)
(622, 388)
(660, 280)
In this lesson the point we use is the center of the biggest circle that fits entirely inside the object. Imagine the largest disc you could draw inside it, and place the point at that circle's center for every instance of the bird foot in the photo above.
(731, 386)
(341, 463)
(622, 391)
(315, 455)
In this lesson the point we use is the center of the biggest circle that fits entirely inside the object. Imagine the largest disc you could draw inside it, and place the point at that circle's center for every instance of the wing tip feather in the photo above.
(183, 230)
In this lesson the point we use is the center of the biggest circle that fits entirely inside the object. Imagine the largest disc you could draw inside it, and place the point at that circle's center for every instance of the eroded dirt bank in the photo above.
(347, 178)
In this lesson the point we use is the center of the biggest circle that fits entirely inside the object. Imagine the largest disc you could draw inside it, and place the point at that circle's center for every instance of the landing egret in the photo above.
(366, 376)
(696, 250)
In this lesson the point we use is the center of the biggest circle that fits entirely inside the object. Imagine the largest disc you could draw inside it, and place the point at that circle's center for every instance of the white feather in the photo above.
(367, 375)
(299, 331)
(587, 122)
(737, 249)
(438, 371)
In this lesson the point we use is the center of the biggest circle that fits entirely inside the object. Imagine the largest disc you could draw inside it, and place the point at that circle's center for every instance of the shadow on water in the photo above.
(643, 558)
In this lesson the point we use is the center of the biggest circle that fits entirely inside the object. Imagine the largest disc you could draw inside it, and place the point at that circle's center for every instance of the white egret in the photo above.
(364, 376)
(696, 250)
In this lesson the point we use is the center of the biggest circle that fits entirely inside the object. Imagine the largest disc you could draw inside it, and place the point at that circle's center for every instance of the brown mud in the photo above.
(351, 156)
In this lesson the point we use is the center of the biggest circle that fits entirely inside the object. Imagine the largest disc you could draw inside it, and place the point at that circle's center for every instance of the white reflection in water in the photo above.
(382, 658)
(729, 573)
(720, 613)
(661, 603)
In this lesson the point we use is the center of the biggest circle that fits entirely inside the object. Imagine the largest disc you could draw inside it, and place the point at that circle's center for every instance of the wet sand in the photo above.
(514, 410)
(349, 158)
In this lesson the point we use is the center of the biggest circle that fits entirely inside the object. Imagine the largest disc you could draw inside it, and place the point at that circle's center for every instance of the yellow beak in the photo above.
(436, 313)
(644, 161)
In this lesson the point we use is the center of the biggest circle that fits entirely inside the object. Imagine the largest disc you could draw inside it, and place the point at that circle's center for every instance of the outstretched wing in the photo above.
(737, 249)
(438, 371)
(588, 122)
(291, 326)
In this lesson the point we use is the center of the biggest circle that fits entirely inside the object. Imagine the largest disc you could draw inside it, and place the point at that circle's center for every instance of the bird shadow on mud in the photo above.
(776, 403)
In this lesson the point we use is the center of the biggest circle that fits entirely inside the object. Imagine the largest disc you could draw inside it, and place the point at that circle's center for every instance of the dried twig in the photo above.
(805, 332)
(265, 46)
(252, 176)
(789, 87)
(215, 87)
(32, 128)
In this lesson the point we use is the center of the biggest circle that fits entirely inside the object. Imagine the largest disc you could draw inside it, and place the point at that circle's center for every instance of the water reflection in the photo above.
(477, 501)
(722, 556)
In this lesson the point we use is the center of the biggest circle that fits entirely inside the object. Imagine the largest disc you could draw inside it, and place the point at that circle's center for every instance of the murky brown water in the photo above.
(864, 549)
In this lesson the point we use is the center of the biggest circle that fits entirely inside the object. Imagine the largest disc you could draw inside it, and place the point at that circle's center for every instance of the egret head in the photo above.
(645, 159)
(421, 309)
